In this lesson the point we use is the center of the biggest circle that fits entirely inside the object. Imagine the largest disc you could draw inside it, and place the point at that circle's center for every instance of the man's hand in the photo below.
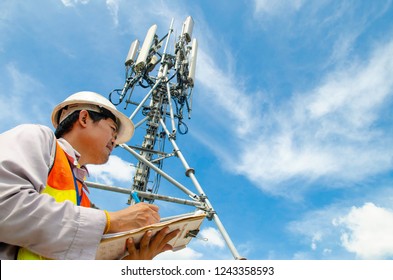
(150, 246)
(135, 216)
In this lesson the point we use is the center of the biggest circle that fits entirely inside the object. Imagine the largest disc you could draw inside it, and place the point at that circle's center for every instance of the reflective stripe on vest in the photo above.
(61, 185)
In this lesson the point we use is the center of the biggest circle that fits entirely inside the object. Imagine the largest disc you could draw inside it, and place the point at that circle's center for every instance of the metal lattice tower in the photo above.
(162, 109)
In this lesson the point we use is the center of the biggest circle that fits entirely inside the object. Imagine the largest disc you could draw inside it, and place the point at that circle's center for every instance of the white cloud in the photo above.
(72, 3)
(318, 234)
(115, 170)
(183, 254)
(113, 6)
(316, 238)
(368, 231)
(209, 244)
(226, 93)
(329, 131)
(275, 7)
(340, 231)
(23, 96)
(132, 18)
(210, 237)
(356, 92)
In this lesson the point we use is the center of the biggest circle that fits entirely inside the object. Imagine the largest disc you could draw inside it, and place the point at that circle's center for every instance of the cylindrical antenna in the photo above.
(145, 50)
(192, 65)
(188, 25)
(132, 53)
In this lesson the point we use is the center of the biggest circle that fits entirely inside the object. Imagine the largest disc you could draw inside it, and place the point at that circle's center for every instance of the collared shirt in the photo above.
(35, 221)
(73, 156)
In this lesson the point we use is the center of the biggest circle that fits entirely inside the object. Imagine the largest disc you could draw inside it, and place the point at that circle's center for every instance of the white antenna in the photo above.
(193, 58)
(188, 26)
(130, 59)
(145, 50)
(162, 98)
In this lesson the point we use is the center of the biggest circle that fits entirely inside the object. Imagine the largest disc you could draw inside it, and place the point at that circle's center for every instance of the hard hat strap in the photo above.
(68, 110)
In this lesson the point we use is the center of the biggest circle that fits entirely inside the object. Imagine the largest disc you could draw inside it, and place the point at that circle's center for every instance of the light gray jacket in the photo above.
(33, 220)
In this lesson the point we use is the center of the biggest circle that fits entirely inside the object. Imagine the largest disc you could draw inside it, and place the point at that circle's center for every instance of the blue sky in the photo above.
(291, 129)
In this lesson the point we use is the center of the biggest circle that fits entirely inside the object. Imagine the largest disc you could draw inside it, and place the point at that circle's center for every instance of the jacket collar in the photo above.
(73, 156)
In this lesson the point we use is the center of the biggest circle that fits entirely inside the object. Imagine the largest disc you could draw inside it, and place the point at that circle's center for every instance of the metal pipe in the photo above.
(159, 171)
(191, 173)
(167, 40)
(144, 99)
(171, 108)
(170, 199)
(107, 188)
(141, 122)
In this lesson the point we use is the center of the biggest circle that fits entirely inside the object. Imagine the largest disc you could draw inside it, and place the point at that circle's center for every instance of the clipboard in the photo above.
(113, 246)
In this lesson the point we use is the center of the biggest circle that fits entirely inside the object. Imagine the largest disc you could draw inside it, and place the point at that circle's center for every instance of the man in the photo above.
(44, 208)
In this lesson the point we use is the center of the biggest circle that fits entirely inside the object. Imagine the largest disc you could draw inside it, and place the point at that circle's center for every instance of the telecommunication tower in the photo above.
(168, 78)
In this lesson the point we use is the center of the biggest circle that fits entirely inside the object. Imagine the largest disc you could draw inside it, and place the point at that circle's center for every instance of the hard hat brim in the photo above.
(125, 131)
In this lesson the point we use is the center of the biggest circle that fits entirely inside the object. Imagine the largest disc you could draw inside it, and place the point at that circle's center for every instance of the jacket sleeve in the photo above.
(33, 220)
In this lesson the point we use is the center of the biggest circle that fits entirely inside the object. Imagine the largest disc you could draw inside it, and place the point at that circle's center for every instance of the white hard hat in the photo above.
(87, 100)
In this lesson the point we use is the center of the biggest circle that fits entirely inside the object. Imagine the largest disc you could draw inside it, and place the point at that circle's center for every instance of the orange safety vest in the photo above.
(62, 185)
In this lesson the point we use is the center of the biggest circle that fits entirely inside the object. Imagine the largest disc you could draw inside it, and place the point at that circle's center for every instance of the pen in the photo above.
(135, 197)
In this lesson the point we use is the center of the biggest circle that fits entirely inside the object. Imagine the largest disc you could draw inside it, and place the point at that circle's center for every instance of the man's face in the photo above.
(102, 136)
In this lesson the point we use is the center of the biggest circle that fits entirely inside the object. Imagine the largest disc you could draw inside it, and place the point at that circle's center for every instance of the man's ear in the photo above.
(83, 116)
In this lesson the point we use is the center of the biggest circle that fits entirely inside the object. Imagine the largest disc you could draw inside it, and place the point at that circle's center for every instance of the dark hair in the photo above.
(67, 124)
